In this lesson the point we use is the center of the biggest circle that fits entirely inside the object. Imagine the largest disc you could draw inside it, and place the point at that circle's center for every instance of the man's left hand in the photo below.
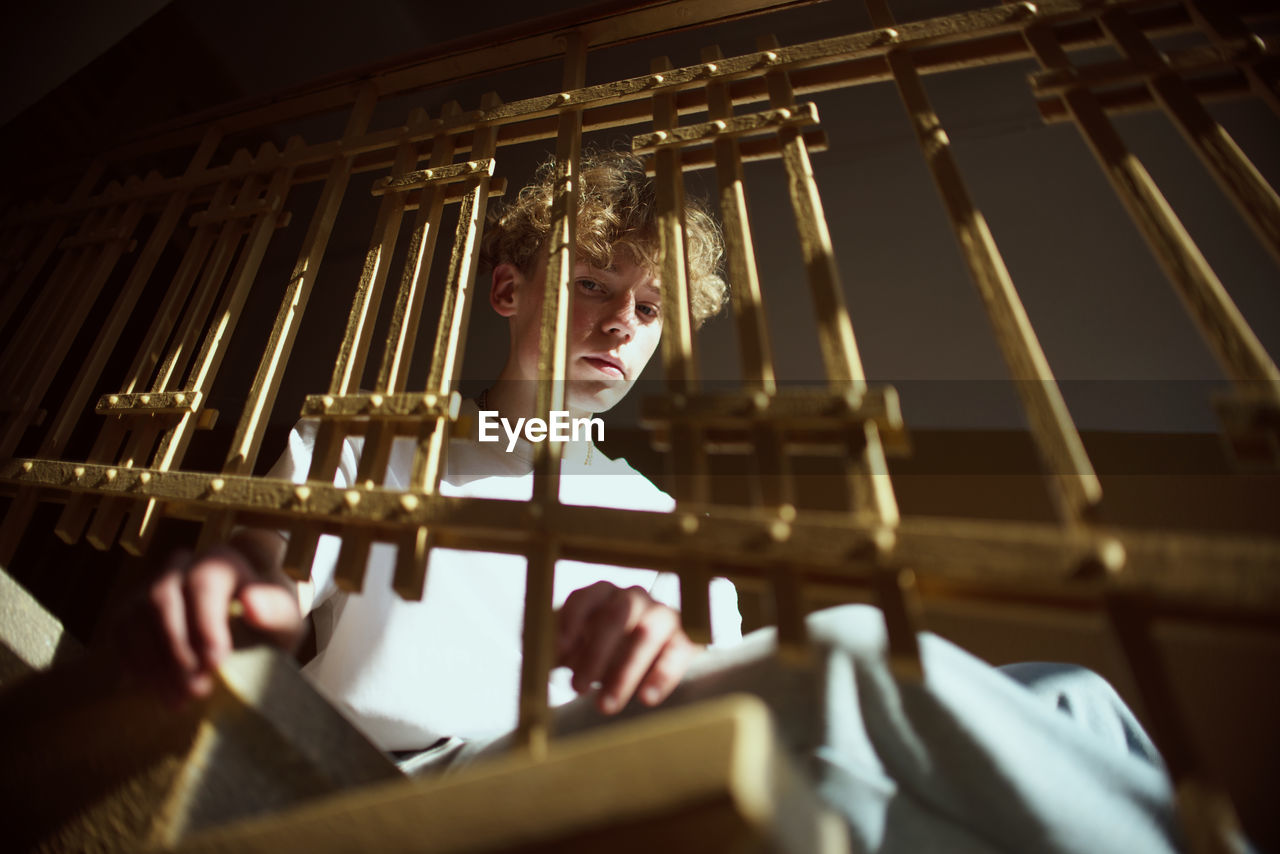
(624, 640)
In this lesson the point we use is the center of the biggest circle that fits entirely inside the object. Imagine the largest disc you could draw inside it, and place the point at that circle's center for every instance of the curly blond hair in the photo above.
(617, 212)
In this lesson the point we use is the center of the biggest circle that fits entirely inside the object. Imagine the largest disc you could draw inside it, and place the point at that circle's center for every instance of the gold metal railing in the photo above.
(222, 212)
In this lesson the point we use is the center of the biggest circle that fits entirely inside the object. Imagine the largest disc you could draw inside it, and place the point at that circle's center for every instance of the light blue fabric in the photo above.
(1027, 758)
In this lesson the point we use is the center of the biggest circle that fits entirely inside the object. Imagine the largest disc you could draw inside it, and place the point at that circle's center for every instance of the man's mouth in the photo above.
(606, 365)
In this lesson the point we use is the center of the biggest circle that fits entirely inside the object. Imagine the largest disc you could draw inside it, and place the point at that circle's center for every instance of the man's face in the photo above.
(613, 331)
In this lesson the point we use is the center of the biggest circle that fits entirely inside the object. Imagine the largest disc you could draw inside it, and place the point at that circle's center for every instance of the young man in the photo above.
(413, 673)
(969, 759)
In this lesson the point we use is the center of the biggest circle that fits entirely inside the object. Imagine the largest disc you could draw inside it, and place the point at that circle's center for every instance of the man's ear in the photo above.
(507, 279)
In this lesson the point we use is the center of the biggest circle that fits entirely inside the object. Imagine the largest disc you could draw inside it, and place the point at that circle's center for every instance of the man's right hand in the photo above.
(176, 633)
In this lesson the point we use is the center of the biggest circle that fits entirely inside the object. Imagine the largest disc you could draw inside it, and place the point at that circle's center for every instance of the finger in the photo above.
(637, 656)
(667, 670)
(166, 620)
(609, 625)
(210, 584)
(273, 611)
(573, 616)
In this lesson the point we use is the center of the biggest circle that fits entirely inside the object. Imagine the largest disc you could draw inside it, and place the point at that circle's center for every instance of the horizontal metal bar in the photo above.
(800, 115)
(373, 404)
(149, 402)
(1195, 573)
(438, 175)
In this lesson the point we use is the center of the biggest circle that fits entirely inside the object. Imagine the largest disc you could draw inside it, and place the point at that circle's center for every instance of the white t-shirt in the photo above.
(409, 673)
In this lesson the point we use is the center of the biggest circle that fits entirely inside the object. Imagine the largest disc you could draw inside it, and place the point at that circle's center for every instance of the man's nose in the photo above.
(621, 318)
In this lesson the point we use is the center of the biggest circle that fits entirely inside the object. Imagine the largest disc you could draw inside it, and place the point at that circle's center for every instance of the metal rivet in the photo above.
(783, 114)
(180, 399)
(787, 513)
(564, 97)
(113, 399)
(409, 503)
(660, 136)
(377, 400)
(217, 484)
(144, 478)
(352, 497)
(710, 68)
(472, 164)
(719, 124)
(770, 57)
(28, 466)
(760, 400)
(688, 523)
(1030, 7)
(78, 471)
(657, 78)
(891, 34)
(145, 399)
(326, 402)
(779, 531)
(111, 474)
(302, 493)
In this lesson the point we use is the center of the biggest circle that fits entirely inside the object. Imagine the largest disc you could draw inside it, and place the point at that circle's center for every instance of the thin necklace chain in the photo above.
(483, 402)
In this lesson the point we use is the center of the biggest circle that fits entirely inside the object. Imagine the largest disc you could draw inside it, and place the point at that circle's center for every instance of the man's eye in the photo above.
(589, 285)
(648, 310)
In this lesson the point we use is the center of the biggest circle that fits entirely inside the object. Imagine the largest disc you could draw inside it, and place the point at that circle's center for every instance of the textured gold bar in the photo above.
(414, 405)
(293, 305)
(1223, 326)
(897, 598)
(210, 283)
(150, 402)
(867, 472)
(253, 421)
(446, 359)
(1235, 174)
(141, 525)
(1200, 574)
(359, 332)
(403, 330)
(437, 174)
(750, 150)
(452, 194)
(539, 623)
(728, 127)
(748, 309)
(1076, 487)
(539, 649)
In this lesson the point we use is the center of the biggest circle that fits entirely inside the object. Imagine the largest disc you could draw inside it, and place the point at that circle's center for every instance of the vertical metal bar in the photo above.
(869, 474)
(349, 366)
(266, 383)
(414, 547)
(1238, 177)
(1075, 486)
(748, 308)
(1223, 326)
(141, 526)
(539, 641)
(687, 456)
(75, 515)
